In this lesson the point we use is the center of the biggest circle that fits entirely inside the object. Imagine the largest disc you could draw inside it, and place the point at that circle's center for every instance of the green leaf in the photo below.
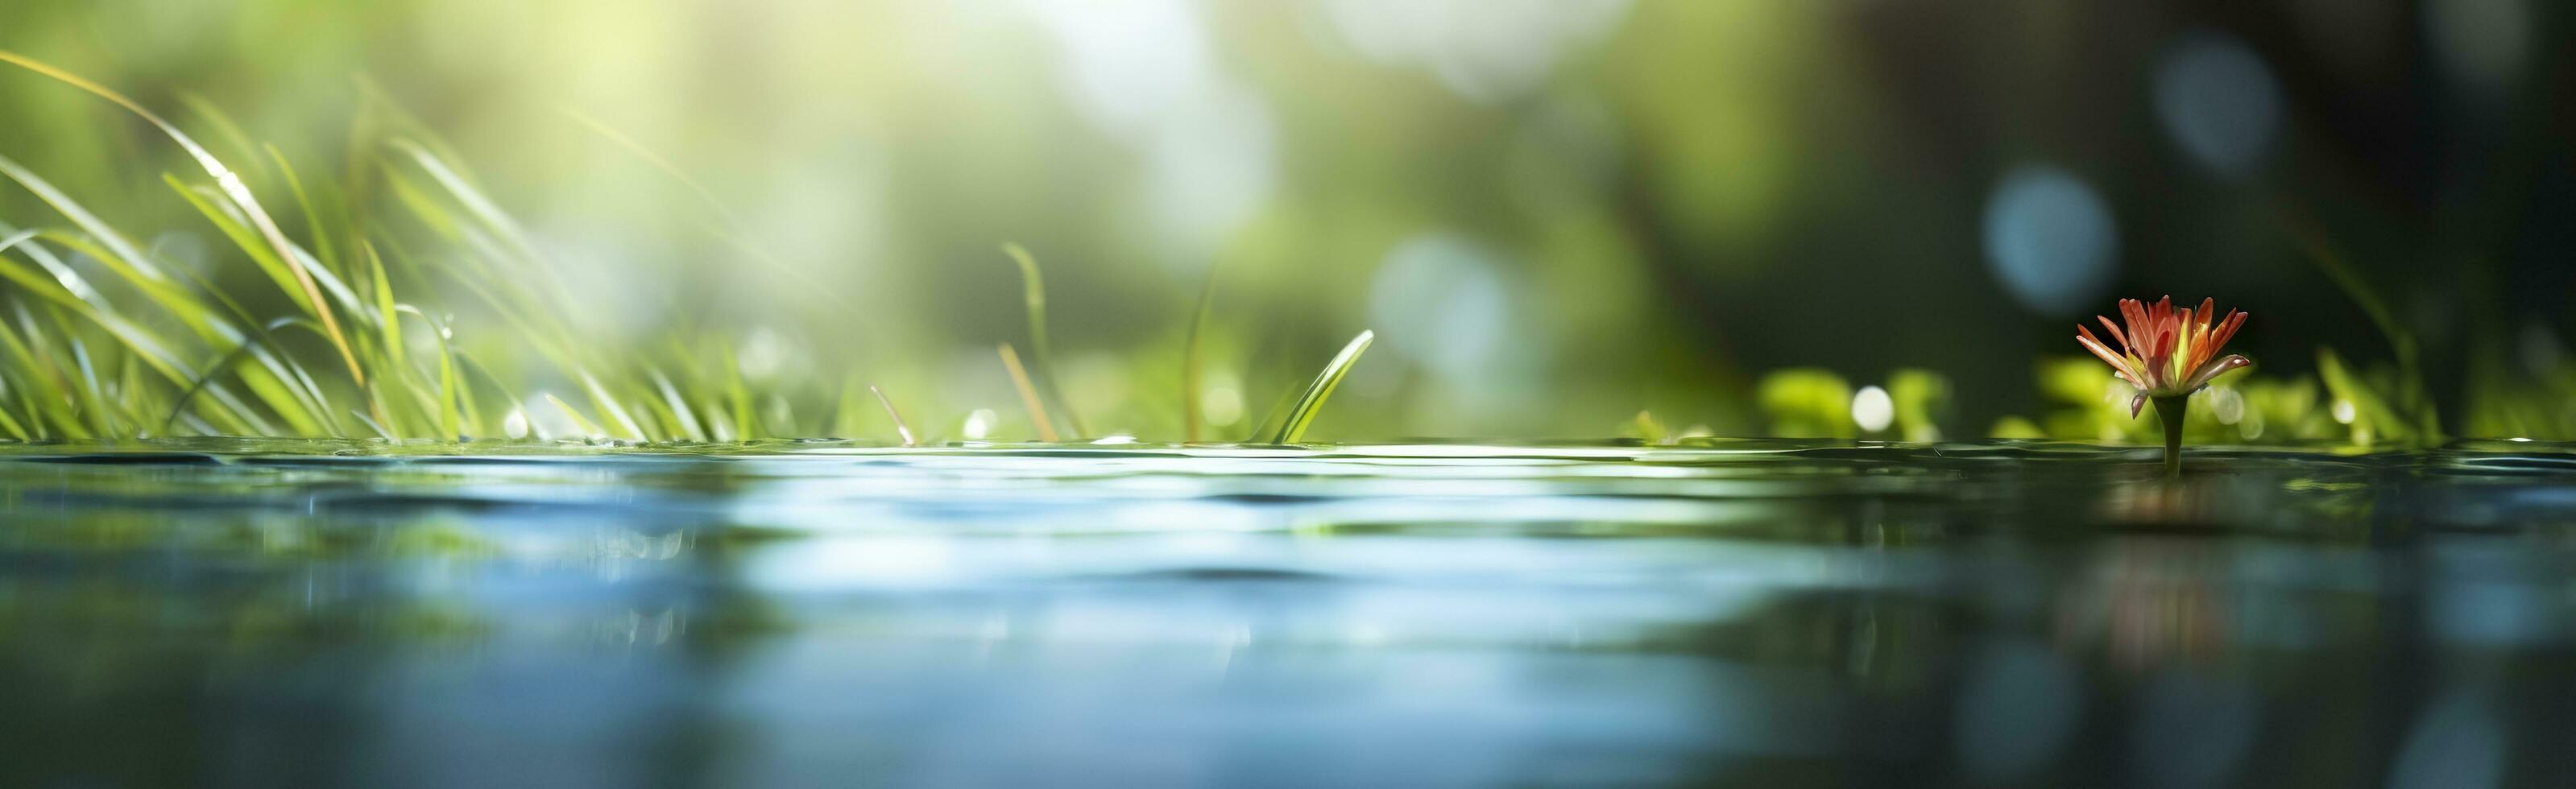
(1302, 415)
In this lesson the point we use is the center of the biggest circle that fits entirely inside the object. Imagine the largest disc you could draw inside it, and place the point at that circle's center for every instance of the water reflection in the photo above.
(1735, 612)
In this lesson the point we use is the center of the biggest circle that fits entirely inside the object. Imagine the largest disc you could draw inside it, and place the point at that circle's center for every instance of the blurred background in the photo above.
(1554, 213)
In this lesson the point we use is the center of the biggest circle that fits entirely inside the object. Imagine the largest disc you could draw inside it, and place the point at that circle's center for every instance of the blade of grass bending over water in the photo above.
(900, 428)
(232, 187)
(1028, 394)
(1303, 414)
(1033, 289)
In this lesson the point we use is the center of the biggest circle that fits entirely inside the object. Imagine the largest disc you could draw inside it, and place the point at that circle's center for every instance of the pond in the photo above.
(1758, 613)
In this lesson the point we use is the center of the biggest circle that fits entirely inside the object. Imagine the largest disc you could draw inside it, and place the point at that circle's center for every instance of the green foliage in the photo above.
(2380, 403)
(1808, 403)
(2087, 403)
(162, 350)
(2015, 427)
(1647, 429)
(331, 331)
(2538, 403)
(1922, 399)
(1816, 403)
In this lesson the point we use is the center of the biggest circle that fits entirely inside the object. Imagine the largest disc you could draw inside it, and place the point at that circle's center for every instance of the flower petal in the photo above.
(2227, 329)
(2119, 364)
(2116, 334)
(2213, 370)
(2135, 403)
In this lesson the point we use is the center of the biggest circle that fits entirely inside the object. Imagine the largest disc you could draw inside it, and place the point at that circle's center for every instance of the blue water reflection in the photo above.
(1747, 613)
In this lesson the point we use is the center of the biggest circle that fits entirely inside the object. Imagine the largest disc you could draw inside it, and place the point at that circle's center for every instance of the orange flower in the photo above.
(2166, 352)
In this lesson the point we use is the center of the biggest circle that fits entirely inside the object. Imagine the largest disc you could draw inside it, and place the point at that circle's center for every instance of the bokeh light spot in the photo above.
(1872, 409)
(1222, 405)
(1439, 302)
(2481, 42)
(2050, 239)
(2227, 405)
(2218, 101)
(1484, 50)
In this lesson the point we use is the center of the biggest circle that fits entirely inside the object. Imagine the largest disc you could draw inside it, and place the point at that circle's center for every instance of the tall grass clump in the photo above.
(103, 339)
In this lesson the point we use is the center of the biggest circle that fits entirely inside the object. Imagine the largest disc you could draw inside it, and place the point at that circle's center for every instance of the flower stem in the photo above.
(2169, 410)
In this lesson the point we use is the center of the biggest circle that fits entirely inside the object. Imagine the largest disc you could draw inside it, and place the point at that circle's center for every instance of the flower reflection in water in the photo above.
(2147, 602)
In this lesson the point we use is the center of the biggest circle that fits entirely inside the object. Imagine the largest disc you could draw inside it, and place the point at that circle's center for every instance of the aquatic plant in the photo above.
(2167, 354)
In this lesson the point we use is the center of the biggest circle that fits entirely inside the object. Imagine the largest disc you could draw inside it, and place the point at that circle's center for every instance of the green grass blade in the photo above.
(451, 424)
(1193, 361)
(683, 417)
(1028, 394)
(1303, 414)
(10, 424)
(128, 262)
(451, 420)
(738, 401)
(323, 247)
(371, 424)
(609, 408)
(1033, 291)
(33, 370)
(2374, 415)
(127, 258)
(180, 405)
(900, 427)
(295, 279)
(388, 320)
(93, 398)
(60, 285)
(588, 428)
(476, 204)
(226, 130)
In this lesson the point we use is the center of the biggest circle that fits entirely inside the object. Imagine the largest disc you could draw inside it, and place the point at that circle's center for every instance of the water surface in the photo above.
(1750, 613)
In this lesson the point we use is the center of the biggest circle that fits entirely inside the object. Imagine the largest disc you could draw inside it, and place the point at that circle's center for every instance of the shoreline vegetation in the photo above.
(106, 341)
(87, 366)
